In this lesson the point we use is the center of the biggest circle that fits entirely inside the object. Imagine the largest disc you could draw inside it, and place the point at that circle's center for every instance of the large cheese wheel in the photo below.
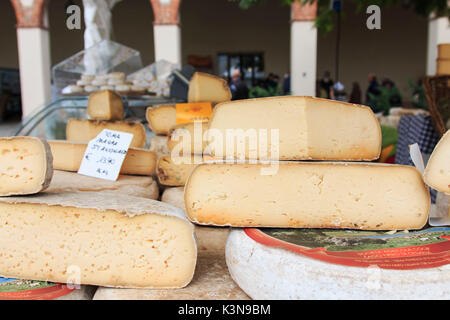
(275, 272)
(437, 172)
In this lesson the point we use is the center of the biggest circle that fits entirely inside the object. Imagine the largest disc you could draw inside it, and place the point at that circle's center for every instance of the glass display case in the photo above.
(105, 57)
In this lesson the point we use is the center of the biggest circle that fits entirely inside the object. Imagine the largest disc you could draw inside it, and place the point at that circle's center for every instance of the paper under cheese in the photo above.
(25, 165)
(137, 186)
(84, 130)
(161, 118)
(298, 128)
(105, 105)
(173, 172)
(204, 87)
(67, 155)
(101, 238)
(308, 195)
(437, 172)
(187, 138)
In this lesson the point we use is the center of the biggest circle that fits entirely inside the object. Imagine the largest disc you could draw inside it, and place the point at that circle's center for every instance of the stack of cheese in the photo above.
(114, 81)
(443, 60)
(169, 138)
(309, 194)
(82, 237)
(106, 111)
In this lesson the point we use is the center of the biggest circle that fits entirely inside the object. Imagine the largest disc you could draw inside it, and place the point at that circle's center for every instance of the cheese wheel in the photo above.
(187, 138)
(25, 165)
(161, 118)
(204, 87)
(96, 238)
(105, 105)
(173, 172)
(275, 273)
(363, 196)
(294, 128)
(437, 172)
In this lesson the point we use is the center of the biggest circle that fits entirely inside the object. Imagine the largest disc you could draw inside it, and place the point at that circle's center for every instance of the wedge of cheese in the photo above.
(25, 165)
(84, 130)
(437, 172)
(204, 87)
(137, 186)
(67, 155)
(174, 172)
(308, 195)
(161, 118)
(97, 238)
(158, 144)
(105, 105)
(187, 138)
(294, 128)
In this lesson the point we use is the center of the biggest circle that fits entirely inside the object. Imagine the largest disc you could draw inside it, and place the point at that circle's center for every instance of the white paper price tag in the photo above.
(104, 155)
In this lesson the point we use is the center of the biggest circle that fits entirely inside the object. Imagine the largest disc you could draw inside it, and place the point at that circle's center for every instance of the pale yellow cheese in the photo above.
(204, 87)
(97, 238)
(105, 105)
(84, 130)
(308, 195)
(25, 165)
(161, 118)
(67, 155)
(294, 128)
(158, 144)
(437, 172)
(138, 186)
(174, 172)
(187, 138)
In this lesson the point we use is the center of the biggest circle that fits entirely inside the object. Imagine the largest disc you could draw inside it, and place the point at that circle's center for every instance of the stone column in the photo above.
(34, 53)
(303, 49)
(166, 30)
(438, 32)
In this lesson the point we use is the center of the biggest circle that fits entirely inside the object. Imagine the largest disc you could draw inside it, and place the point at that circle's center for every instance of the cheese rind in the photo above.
(187, 138)
(175, 173)
(56, 237)
(437, 172)
(308, 195)
(161, 118)
(68, 155)
(204, 87)
(25, 165)
(105, 105)
(300, 128)
(158, 144)
(84, 130)
(137, 186)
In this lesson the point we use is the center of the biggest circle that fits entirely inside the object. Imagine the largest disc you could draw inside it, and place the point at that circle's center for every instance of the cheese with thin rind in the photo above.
(105, 105)
(25, 165)
(204, 87)
(187, 138)
(161, 118)
(174, 172)
(97, 238)
(84, 130)
(437, 172)
(68, 155)
(137, 186)
(308, 195)
(294, 128)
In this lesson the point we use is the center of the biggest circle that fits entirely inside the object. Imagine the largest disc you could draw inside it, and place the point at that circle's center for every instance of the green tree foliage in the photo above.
(325, 15)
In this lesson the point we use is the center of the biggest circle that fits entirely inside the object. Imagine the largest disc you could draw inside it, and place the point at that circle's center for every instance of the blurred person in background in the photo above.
(326, 86)
(238, 86)
(355, 95)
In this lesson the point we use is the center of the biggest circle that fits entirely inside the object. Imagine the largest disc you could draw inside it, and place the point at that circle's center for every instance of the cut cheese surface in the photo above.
(308, 195)
(158, 144)
(187, 138)
(161, 118)
(25, 165)
(175, 173)
(105, 105)
(84, 130)
(97, 238)
(204, 87)
(68, 155)
(137, 186)
(437, 172)
(294, 128)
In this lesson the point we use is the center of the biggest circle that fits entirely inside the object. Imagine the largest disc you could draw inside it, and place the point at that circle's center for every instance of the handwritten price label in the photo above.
(104, 155)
